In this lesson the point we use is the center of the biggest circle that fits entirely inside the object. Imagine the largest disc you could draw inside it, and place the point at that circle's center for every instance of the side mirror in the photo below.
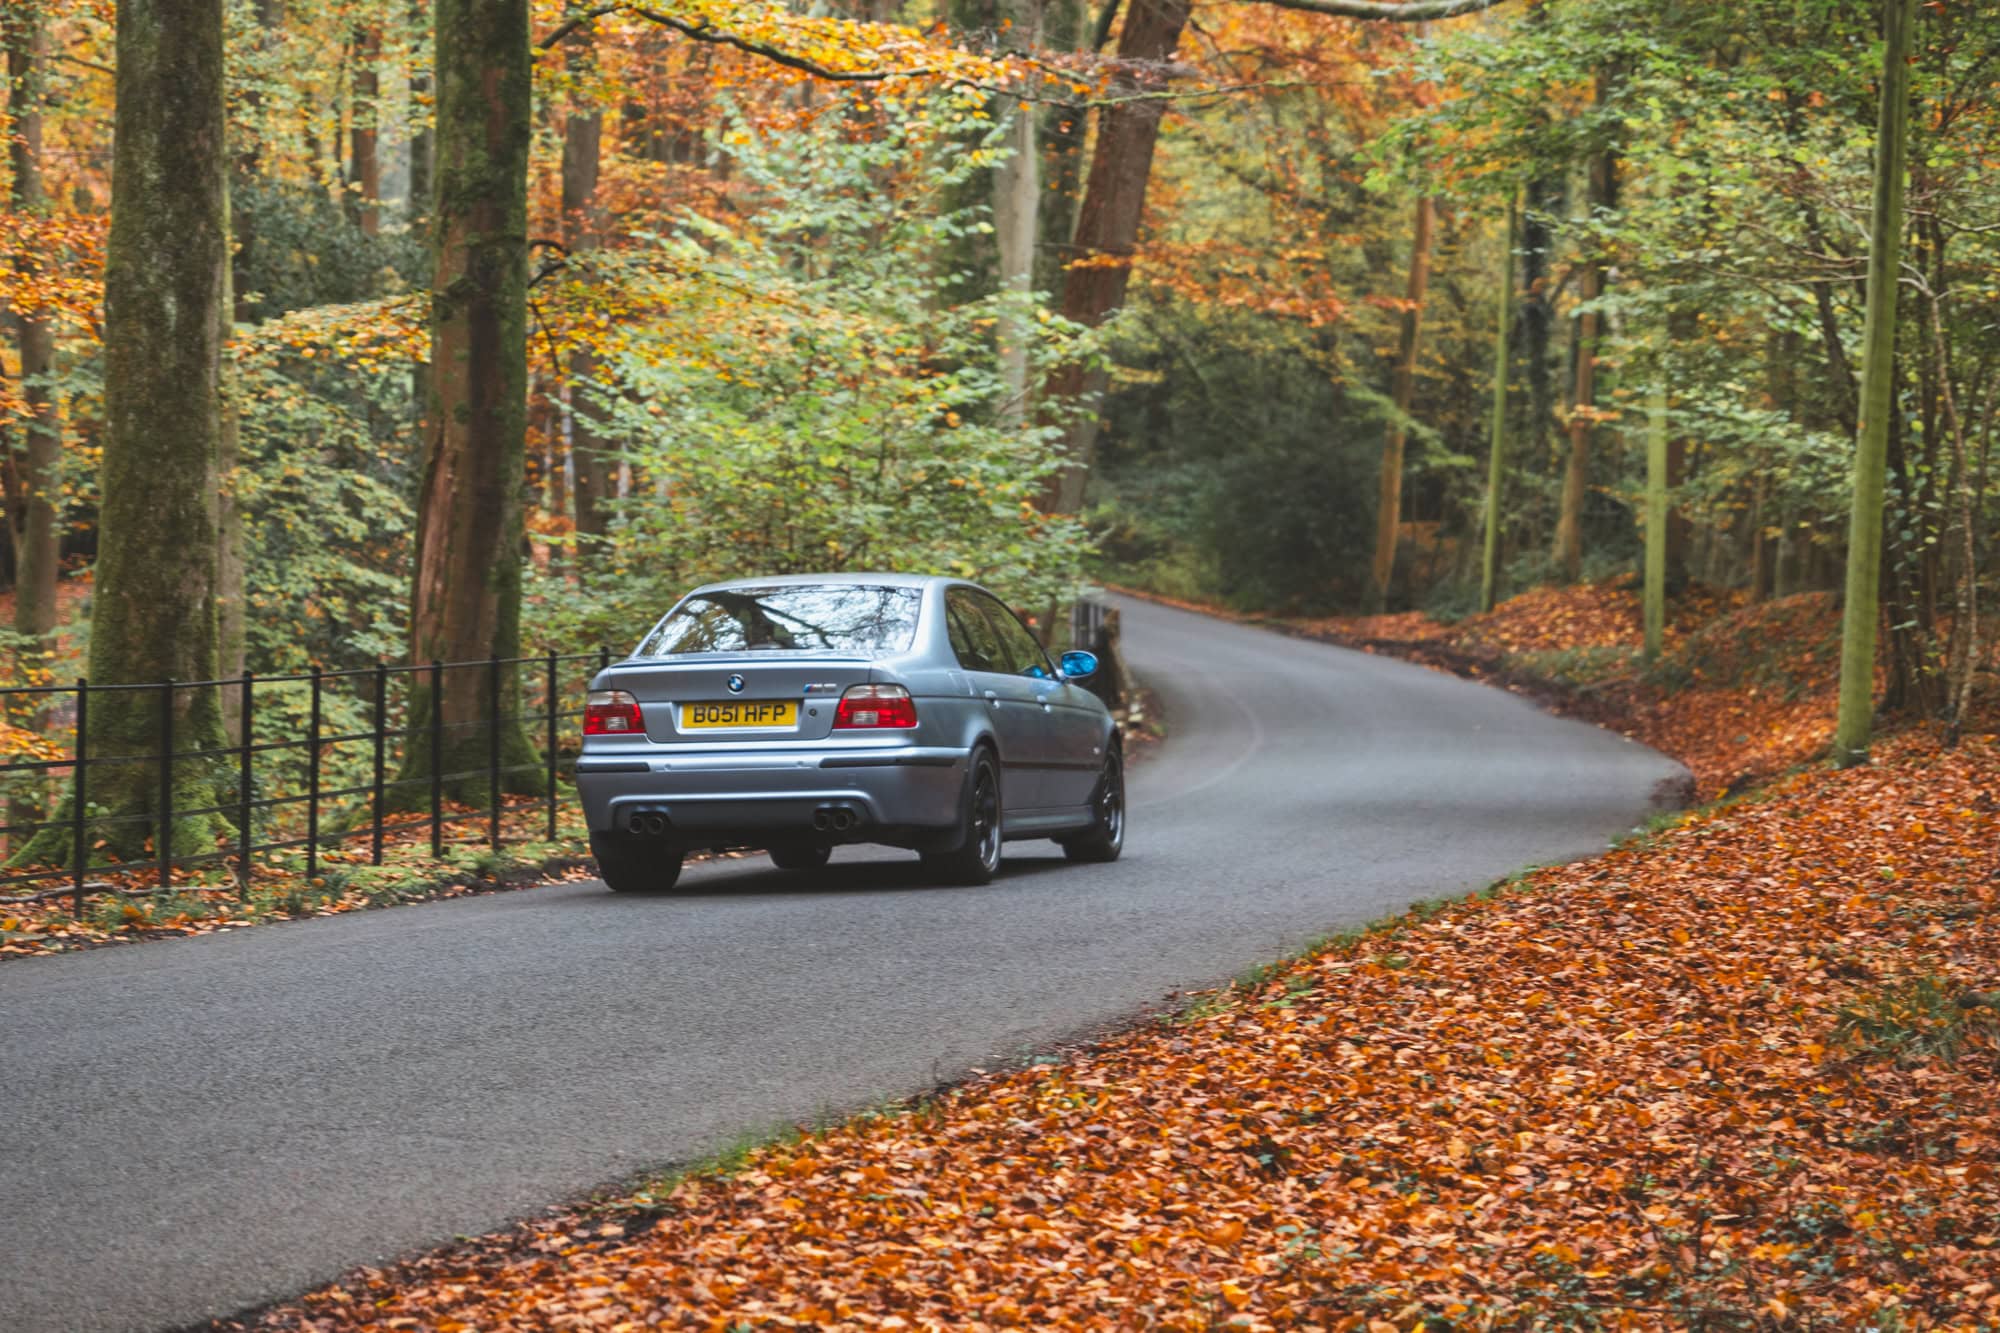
(1078, 665)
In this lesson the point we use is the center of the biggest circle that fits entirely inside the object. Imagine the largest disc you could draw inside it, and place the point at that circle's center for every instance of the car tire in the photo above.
(1105, 839)
(976, 858)
(799, 856)
(630, 865)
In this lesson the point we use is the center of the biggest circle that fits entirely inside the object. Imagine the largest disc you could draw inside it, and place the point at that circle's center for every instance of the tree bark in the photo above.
(1656, 512)
(1864, 538)
(1489, 566)
(1017, 206)
(38, 546)
(466, 597)
(165, 282)
(1389, 500)
(365, 175)
(583, 145)
(1602, 197)
(1107, 230)
(422, 140)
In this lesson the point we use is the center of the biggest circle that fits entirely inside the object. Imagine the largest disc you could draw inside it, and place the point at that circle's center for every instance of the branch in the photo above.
(1417, 11)
(702, 32)
(575, 21)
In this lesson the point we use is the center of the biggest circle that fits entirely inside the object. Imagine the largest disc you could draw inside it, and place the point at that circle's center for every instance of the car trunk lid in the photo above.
(738, 698)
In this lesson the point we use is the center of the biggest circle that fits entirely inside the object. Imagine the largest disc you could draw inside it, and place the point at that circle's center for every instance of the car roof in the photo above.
(809, 580)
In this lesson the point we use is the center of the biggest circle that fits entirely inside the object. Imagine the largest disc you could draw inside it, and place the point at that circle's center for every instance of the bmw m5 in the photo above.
(799, 713)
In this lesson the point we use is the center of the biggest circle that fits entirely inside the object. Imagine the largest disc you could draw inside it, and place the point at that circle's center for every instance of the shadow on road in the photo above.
(756, 876)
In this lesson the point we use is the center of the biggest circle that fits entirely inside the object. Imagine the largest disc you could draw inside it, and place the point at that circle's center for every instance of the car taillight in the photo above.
(612, 713)
(875, 706)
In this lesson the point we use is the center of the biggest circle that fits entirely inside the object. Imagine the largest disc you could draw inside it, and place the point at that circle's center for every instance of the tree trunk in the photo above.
(1962, 656)
(1107, 229)
(1389, 501)
(1489, 568)
(466, 599)
(1017, 206)
(421, 139)
(231, 620)
(165, 280)
(1576, 470)
(1656, 512)
(1602, 197)
(365, 174)
(1864, 538)
(583, 145)
(38, 546)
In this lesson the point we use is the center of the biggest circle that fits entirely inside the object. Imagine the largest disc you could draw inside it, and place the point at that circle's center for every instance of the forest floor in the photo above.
(1738, 1072)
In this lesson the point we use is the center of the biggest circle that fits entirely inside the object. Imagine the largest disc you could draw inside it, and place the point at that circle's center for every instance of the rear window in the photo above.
(846, 618)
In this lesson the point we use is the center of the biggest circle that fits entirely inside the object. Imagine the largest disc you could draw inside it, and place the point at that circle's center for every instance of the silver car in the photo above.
(798, 713)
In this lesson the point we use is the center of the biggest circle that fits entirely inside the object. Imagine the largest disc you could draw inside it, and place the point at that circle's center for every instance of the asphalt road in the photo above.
(195, 1126)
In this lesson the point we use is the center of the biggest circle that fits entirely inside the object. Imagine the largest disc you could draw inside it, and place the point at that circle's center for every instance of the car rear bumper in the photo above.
(717, 794)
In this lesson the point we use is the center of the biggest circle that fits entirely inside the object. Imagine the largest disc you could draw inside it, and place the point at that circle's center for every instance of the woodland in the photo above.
(365, 330)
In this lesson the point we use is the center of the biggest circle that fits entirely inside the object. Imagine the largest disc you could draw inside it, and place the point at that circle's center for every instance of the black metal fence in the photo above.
(305, 747)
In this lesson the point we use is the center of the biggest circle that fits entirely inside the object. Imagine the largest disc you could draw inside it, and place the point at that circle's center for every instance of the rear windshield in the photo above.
(845, 618)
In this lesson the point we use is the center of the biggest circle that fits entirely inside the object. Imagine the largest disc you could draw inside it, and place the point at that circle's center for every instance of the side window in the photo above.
(1021, 654)
(972, 638)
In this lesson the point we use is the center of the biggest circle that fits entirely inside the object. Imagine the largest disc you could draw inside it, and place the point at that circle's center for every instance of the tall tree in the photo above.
(1602, 198)
(1878, 357)
(364, 137)
(1114, 197)
(1656, 513)
(466, 598)
(1497, 444)
(165, 283)
(36, 537)
(1389, 506)
(1017, 205)
(1107, 227)
(582, 152)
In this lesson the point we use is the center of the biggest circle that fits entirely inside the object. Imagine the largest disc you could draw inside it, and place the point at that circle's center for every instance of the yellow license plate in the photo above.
(740, 713)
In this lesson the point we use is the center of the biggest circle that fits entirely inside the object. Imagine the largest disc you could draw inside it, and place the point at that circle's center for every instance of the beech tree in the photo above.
(33, 506)
(1878, 393)
(466, 596)
(165, 284)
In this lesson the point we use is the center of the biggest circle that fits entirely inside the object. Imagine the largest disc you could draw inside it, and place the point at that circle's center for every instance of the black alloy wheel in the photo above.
(1105, 838)
(976, 859)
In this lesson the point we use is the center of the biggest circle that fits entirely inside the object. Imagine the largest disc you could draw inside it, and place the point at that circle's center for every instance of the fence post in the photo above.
(163, 836)
(312, 782)
(79, 798)
(437, 759)
(603, 659)
(381, 740)
(244, 812)
(551, 690)
(493, 749)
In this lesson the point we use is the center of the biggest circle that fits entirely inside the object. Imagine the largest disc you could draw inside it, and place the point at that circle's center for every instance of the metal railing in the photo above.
(285, 785)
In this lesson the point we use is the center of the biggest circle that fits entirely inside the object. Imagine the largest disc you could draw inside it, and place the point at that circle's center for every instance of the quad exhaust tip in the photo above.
(834, 819)
(648, 823)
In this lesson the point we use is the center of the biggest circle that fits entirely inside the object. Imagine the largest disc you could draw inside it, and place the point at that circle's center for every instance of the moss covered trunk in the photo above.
(35, 585)
(154, 607)
(1878, 356)
(466, 597)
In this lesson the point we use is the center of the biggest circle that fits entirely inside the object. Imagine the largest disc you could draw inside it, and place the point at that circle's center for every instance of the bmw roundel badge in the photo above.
(736, 684)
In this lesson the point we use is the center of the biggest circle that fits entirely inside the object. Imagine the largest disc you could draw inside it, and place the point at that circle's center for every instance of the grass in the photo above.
(1914, 1020)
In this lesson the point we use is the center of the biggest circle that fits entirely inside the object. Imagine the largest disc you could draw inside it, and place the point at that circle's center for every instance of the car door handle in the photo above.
(992, 698)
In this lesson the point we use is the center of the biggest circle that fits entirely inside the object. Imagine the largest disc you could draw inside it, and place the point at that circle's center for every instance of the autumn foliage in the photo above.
(1737, 1072)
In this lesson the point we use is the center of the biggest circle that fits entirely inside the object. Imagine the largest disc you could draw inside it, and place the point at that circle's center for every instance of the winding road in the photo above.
(197, 1126)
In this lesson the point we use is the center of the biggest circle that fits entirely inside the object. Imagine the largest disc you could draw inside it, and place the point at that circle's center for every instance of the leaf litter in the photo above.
(1737, 1072)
